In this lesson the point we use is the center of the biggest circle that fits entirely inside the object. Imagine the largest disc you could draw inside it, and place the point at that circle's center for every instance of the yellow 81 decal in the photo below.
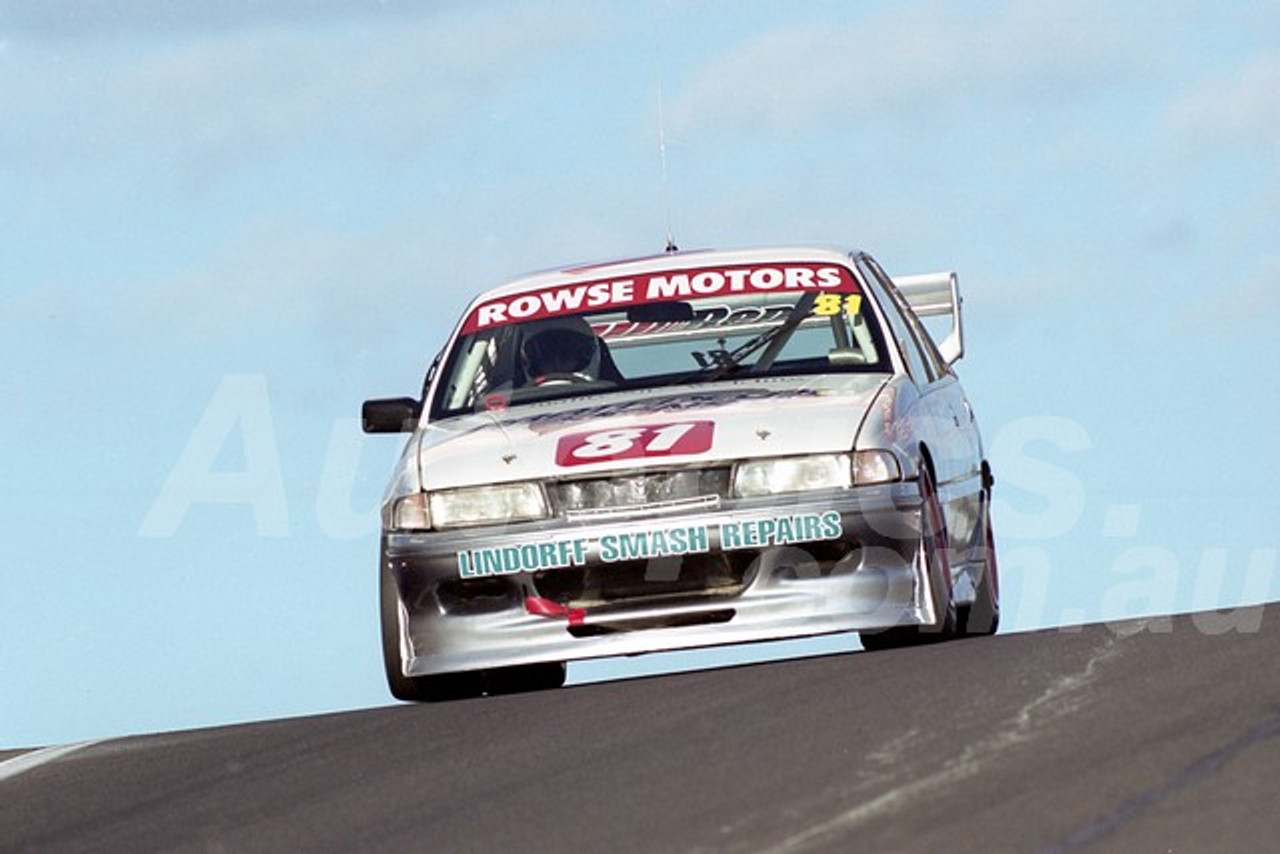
(826, 305)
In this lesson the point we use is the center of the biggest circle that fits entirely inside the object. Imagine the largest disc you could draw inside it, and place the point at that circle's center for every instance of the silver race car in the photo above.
(691, 449)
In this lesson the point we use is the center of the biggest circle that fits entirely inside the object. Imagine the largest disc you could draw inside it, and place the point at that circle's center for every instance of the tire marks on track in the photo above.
(1061, 698)
(1197, 772)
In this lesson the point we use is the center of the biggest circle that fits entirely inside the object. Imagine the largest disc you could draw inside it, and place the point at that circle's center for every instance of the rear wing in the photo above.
(934, 294)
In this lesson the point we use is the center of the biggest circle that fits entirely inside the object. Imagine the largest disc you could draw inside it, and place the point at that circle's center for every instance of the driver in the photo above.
(560, 350)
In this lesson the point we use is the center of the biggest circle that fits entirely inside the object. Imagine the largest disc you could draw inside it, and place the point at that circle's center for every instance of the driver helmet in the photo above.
(562, 345)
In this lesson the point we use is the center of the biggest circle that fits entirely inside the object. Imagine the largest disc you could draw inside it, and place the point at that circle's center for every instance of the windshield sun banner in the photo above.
(661, 286)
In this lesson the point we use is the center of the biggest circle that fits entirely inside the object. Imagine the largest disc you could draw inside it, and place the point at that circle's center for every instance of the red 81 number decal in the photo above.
(653, 440)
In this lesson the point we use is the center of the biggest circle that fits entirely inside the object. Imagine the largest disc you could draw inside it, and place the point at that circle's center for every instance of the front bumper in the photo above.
(559, 591)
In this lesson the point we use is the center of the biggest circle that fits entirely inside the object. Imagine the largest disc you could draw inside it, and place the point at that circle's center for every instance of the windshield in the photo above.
(536, 347)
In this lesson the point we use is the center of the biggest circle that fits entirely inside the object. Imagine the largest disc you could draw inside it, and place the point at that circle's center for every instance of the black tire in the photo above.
(416, 689)
(982, 616)
(933, 539)
(544, 676)
(401, 686)
(444, 687)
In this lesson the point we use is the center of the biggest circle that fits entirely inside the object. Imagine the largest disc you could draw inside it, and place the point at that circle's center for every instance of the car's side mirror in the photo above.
(390, 415)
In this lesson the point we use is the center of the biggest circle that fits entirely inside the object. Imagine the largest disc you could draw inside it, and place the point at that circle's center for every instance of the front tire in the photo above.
(443, 687)
(933, 541)
(415, 689)
(544, 676)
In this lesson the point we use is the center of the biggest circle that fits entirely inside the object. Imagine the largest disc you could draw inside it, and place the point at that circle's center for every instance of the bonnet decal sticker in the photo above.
(652, 440)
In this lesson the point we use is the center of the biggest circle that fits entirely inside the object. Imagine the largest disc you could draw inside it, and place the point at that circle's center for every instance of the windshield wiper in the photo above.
(718, 364)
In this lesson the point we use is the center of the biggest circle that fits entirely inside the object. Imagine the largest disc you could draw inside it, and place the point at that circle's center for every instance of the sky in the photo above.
(223, 226)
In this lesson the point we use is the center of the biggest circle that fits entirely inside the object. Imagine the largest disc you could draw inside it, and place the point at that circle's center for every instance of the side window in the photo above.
(480, 363)
(917, 365)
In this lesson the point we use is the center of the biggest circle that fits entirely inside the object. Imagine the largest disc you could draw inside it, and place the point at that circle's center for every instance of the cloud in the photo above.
(910, 62)
(1238, 108)
(1234, 307)
(276, 276)
(211, 97)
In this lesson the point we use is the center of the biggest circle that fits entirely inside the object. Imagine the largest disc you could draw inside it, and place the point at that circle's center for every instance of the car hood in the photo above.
(654, 428)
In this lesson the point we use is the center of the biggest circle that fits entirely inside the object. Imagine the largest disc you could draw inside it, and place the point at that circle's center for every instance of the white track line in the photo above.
(43, 756)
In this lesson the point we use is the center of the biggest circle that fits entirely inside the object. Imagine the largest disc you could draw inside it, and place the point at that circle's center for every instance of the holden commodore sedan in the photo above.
(685, 450)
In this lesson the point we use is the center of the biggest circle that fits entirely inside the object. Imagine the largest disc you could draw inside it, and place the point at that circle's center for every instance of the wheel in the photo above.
(982, 616)
(401, 686)
(544, 676)
(443, 687)
(416, 689)
(933, 539)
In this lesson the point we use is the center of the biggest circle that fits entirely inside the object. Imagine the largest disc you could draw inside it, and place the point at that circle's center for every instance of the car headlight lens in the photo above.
(487, 505)
(753, 478)
(875, 466)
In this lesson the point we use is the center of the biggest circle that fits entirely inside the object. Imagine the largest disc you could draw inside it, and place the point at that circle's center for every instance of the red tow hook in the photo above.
(540, 606)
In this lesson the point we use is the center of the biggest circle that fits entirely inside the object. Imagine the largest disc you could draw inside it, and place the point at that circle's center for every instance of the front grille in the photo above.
(649, 492)
(669, 579)
(470, 596)
(691, 579)
(623, 623)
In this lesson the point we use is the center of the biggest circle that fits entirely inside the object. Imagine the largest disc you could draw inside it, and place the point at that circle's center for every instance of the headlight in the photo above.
(481, 505)
(875, 466)
(792, 474)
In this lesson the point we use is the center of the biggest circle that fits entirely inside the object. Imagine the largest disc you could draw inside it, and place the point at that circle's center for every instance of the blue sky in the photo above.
(224, 225)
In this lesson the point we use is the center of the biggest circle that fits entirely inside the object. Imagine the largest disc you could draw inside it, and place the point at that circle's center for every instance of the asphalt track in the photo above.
(1152, 736)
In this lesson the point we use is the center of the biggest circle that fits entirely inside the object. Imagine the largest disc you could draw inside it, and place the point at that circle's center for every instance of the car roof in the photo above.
(664, 261)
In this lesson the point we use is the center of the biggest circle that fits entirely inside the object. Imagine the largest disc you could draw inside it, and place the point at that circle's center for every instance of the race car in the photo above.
(684, 450)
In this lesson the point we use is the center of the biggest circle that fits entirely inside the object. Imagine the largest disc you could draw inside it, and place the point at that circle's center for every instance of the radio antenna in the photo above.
(658, 18)
(666, 184)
